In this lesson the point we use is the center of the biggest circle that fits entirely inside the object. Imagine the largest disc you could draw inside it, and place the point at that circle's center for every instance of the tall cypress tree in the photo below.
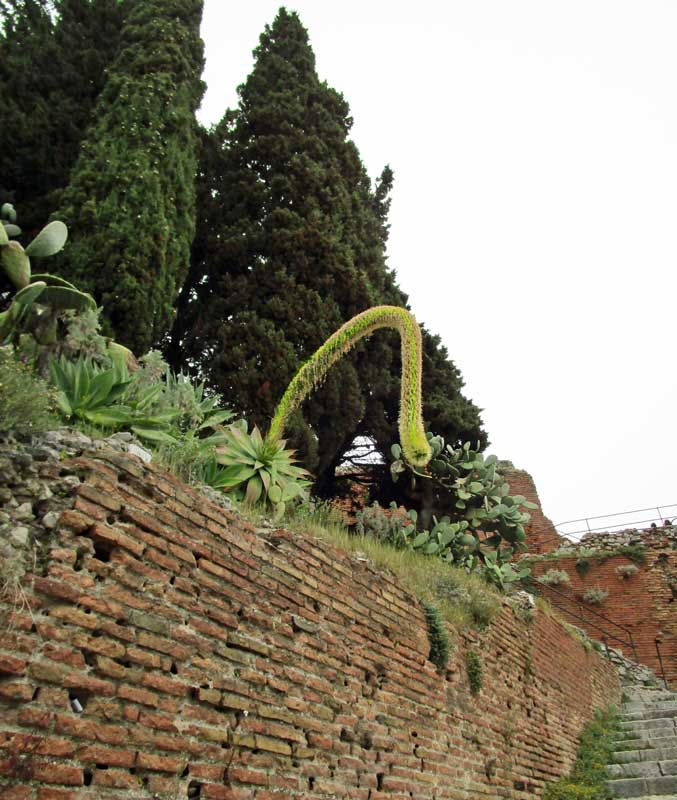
(53, 58)
(130, 204)
(290, 244)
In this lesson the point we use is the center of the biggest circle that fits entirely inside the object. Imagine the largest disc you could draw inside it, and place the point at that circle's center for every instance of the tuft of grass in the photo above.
(588, 776)
(27, 402)
(186, 458)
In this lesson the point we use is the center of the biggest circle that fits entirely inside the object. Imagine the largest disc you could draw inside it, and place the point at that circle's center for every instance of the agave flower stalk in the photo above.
(415, 445)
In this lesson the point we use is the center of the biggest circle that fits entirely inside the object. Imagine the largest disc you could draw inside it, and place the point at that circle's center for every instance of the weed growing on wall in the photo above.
(554, 577)
(464, 600)
(583, 566)
(635, 552)
(627, 570)
(587, 778)
(437, 635)
(473, 665)
(595, 596)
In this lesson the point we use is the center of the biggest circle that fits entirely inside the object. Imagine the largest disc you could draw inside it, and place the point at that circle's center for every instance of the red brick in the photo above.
(136, 695)
(97, 754)
(114, 536)
(217, 791)
(160, 763)
(74, 521)
(85, 728)
(57, 773)
(115, 779)
(165, 684)
(17, 792)
(12, 666)
(17, 743)
(244, 775)
(16, 690)
(45, 793)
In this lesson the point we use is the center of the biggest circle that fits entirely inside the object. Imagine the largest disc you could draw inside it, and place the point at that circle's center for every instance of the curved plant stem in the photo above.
(415, 445)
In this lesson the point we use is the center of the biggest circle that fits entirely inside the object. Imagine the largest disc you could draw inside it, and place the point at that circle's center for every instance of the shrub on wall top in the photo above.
(627, 570)
(595, 596)
(554, 577)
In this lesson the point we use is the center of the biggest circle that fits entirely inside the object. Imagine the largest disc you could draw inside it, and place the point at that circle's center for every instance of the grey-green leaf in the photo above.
(49, 241)
(59, 297)
(17, 264)
(30, 293)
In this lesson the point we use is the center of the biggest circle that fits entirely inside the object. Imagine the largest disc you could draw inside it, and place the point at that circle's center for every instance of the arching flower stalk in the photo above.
(415, 445)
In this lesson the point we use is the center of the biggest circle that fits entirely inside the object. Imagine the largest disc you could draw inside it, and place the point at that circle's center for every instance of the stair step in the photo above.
(656, 797)
(664, 711)
(648, 754)
(645, 743)
(663, 697)
(649, 728)
(637, 701)
(640, 769)
(639, 787)
(643, 769)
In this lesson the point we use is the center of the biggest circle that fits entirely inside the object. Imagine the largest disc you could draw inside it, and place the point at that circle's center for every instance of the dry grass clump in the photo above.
(464, 600)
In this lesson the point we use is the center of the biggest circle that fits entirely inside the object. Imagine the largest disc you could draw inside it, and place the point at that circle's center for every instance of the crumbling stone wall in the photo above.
(162, 647)
(641, 604)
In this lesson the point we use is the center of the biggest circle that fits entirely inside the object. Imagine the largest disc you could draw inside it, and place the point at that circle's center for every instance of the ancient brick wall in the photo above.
(163, 648)
(641, 604)
(542, 536)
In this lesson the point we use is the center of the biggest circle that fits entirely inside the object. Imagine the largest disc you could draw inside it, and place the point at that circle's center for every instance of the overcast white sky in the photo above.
(533, 223)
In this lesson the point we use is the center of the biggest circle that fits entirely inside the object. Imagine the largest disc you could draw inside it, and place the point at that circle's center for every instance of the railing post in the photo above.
(657, 642)
(632, 644)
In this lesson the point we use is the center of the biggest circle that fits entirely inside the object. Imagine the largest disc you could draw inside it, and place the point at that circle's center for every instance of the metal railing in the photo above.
(548, 591)
(666, 516)
(657, 642)
(663, 514)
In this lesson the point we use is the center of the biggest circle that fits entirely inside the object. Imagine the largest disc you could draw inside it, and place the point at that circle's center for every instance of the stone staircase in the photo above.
(645, 761)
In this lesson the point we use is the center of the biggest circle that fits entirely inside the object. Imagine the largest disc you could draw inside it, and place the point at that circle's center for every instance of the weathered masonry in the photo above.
(164, 648)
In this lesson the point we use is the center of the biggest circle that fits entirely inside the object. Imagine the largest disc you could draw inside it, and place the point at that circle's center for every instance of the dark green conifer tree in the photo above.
(290, 244)
(130, 203)
(53, 58)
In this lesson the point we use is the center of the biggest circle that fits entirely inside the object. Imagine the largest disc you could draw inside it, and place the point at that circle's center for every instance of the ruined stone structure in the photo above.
(162, 647)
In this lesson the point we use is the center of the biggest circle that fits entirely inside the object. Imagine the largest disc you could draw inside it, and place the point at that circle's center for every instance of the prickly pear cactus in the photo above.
(48, 316)
(39, 298)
